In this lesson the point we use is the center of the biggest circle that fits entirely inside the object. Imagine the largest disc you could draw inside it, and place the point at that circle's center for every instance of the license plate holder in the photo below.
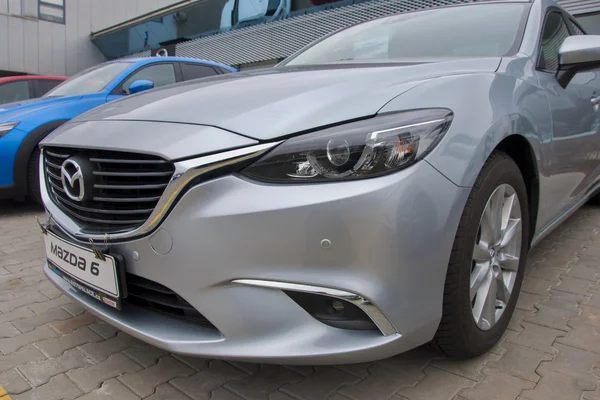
(75, 263)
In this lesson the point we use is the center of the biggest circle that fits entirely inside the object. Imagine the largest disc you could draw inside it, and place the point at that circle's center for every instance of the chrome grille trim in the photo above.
(185, 172)
(115, 176)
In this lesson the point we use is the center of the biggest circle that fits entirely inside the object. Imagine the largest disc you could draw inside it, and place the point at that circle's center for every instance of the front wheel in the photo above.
(487, 263)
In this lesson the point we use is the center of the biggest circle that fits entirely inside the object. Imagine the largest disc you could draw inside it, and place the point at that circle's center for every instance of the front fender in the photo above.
(488, 107)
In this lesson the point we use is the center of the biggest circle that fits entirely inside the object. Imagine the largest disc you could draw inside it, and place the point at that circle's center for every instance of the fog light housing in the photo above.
(333, 312)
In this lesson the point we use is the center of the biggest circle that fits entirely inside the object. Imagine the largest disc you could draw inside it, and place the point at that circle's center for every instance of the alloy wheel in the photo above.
(496, 256)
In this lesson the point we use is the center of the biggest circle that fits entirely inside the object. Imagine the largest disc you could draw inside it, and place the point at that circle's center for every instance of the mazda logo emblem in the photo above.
(72, 180)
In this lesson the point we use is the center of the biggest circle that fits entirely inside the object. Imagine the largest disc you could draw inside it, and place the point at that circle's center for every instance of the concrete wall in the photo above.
(39, 47)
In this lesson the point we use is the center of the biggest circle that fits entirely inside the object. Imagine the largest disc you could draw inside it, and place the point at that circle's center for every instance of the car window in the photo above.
(45, 85)
(481, 30)
(160, 74)
(91, 80)
(14, 91)
(194, 71)
(554, 33)
(575, 30)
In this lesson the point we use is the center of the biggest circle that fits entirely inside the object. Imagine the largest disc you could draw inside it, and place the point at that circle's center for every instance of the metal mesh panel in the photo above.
(282, 38)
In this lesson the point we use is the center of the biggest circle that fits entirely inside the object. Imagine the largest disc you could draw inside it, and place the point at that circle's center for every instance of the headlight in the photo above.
(5, 128)
(362, 149)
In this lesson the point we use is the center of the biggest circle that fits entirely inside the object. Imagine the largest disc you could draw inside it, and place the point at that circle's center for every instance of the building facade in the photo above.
(63, 37)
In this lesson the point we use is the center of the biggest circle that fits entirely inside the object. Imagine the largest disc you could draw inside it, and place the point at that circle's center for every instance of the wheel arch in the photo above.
(24, 154)
(521, 151)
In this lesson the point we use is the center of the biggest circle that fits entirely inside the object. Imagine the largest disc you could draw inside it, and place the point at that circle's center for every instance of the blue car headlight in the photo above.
(357, 150)
(6, 128)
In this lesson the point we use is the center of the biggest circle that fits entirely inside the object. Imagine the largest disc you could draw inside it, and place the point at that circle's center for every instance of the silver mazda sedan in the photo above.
(376, 191)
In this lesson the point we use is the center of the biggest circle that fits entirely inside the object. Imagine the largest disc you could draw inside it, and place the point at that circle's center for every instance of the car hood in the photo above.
(17, 110)
(267, 104)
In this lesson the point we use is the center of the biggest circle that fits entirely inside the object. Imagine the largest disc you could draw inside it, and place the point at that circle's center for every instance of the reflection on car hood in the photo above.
(271, 103)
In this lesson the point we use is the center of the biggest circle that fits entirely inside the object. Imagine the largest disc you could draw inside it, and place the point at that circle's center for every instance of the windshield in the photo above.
(483, 30)
(91, 80)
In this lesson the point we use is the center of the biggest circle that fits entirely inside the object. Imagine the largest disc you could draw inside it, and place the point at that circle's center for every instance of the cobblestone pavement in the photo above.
(51, 349)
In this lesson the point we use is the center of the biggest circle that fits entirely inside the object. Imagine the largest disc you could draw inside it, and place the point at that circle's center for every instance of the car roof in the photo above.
(150, 60)
(32, 77)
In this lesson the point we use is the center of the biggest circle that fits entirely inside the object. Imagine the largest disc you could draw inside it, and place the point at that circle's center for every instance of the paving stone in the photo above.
(224, 394)
(68, 326)
(538, 337)
(573, 362)
(74, 309)
(111, 390)
(573, 285)
(437, 385)
(413, 362)
(145, 356)
(58, 388)
(144, 382)
(168, 392)
(497, 385)
(319, 385)
(546, 272)
(90, 378)
(469, 368)
(552, 317)
(516, 320)
(201, 384)
(40, 372)
(29, 324)
(196, 363)
(583, 272)
(589, 316)
(520, 361)
(55, 347)
(12, 344)
(536, 285)
(305, 370)
(527, 301)
(563, 300)
(593, 301)
(558, 386)
(584, 337)
(22, 301)
(382, 383)
(24, 355)
(361, 370)
(265, 381)
(13, 382)
(592, 251)
(39, 308)
(102, 350)
(19, 313)
(105, 330)
(8, 330)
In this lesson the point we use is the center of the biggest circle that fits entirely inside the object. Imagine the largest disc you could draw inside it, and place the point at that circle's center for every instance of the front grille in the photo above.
(150, 295)
(126, 187)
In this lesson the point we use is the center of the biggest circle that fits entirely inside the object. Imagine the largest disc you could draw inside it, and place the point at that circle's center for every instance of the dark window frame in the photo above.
(54, 6)
(540, 63)
(209, 67)
(176, 67)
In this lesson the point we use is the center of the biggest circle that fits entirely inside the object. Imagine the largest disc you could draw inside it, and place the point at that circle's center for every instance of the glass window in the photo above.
(160, 74)
(14, 91)
(464, 31)
(575, 30)
(45, 85)
(194, 71)
(52, 10)
(590, 22)
(555, 32)
(91, 80)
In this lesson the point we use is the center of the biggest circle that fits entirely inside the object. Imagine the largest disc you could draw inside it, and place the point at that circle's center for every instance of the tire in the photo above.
(33, 177)
(458, 334)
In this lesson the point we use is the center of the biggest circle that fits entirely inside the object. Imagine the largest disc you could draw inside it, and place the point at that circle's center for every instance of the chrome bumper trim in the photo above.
(185, 172)
(380, 320)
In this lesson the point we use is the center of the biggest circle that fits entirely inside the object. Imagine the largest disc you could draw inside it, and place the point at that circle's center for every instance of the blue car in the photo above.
(24, 124)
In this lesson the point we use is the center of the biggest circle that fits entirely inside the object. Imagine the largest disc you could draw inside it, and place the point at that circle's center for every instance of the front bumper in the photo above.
(390, 241)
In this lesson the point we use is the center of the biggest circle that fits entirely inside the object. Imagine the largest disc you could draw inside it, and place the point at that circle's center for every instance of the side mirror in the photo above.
(577, 53)
(140, 86)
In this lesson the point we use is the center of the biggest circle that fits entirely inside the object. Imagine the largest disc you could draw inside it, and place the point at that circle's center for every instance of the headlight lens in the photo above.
(362, 149)
(5, 128)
